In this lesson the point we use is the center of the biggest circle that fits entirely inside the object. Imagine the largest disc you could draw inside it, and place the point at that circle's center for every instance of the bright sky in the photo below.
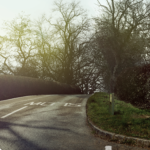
(9, 9)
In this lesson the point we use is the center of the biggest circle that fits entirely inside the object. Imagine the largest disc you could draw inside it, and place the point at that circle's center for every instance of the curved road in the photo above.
(48, 122)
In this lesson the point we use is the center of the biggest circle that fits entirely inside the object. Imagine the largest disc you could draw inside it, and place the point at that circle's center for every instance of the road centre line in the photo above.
(13, 112)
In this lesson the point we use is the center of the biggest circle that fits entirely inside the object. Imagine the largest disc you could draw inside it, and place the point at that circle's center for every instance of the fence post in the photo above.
(111, 104)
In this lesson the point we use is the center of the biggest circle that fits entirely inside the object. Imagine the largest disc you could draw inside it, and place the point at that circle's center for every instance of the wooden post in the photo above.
(111, 104)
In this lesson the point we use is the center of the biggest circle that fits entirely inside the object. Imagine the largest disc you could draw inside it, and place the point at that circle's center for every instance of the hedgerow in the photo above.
(16, 86)
(133, 84)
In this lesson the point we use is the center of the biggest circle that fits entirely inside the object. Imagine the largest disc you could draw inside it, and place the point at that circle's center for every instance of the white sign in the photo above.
(108, 147)
(111, 98)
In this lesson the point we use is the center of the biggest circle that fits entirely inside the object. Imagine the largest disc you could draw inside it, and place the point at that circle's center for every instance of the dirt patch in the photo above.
(140, 116)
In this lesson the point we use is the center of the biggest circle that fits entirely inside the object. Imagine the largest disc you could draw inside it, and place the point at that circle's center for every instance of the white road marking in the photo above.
(43, 103)
(32, 103)
(13, 112)
(52, 104)
(66, 104)
(72, 105)
(39, 103)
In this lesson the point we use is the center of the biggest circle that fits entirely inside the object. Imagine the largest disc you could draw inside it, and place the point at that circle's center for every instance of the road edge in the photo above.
(117, 137)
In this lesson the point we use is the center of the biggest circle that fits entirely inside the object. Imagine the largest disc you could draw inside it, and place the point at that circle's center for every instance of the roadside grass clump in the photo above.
(128, 141)
(127, 119)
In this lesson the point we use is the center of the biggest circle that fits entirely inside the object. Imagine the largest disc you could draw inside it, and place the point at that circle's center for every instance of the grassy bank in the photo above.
(127, 120)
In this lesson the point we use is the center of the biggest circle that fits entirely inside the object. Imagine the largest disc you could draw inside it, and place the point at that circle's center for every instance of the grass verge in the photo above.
(127, 119)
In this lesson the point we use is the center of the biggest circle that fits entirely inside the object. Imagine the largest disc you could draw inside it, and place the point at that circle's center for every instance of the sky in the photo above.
(10, 9)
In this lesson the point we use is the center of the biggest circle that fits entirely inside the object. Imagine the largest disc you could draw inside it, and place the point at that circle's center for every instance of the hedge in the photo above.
(133, 84)
(16, 86)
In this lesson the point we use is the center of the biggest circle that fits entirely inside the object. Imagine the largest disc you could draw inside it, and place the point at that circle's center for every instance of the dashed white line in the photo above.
(13, 112)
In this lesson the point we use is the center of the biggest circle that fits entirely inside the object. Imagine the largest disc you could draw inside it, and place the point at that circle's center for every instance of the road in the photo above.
(48, 122)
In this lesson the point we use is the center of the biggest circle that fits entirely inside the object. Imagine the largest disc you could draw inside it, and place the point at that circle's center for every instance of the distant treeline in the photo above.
(16, 86)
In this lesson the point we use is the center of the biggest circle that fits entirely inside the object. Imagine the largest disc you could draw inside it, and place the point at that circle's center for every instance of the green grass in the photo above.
(128, 120)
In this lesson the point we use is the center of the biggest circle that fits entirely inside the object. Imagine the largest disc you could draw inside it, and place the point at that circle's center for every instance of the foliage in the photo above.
(66, 47)
(133, 84)
(63, 47)
(19, 40)
(16, 86)
(121, 35)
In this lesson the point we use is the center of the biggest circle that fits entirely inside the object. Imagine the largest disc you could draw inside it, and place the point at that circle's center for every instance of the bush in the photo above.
(132, 84)
(16, 86)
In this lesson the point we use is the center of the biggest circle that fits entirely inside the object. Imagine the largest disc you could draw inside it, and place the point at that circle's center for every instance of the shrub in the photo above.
(16, 86)
(132, 84)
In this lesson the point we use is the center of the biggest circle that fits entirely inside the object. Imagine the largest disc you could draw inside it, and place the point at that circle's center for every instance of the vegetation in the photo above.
(132, 85)
(127, 119)
(51, 48)
(16, 86)
(67, 47)
(121, 35)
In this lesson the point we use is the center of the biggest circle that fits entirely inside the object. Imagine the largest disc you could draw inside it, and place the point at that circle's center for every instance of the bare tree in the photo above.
(63, 46)
(121, 34)
(19, 46)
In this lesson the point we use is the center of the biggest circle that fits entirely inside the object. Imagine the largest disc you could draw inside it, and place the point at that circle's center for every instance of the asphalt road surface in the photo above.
(48, 122)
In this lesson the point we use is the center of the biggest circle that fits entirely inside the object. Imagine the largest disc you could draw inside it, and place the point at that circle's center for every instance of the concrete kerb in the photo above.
(117, 137)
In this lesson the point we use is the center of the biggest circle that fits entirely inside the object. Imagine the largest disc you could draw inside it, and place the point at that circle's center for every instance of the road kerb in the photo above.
(113, 136)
